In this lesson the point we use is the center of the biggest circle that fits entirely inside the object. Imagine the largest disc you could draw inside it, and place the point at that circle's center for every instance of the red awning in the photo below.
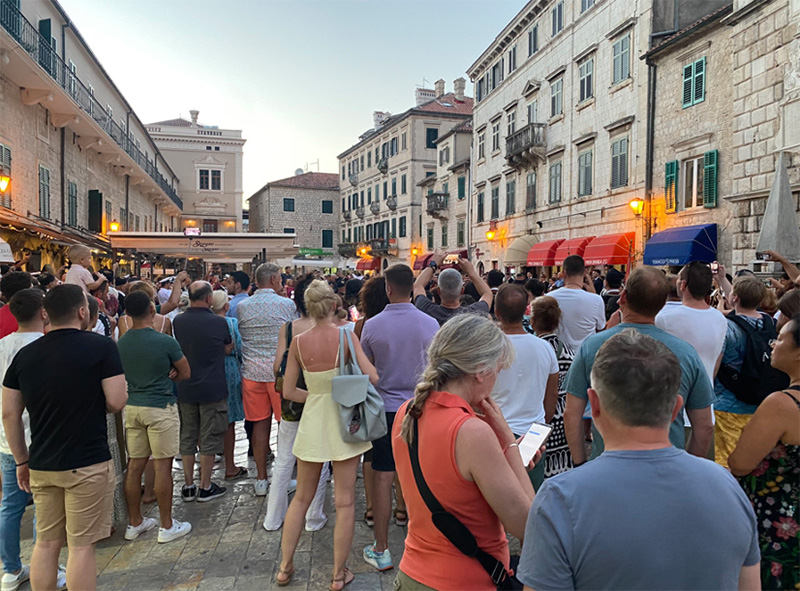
(570, 247)
(422, 261)
(543, 254)
(373, 264)
(611, 249)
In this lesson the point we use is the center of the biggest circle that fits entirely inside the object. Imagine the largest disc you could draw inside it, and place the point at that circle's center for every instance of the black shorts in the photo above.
(382, 456)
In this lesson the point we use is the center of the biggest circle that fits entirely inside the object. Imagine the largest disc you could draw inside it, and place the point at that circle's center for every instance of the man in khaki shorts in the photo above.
(66, 380)
(150, 359)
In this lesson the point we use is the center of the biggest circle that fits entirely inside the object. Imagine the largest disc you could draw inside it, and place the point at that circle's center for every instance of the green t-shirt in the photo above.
(147, 357)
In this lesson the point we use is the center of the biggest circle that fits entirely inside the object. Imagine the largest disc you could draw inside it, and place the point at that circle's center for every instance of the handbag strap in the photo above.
(341, 351)
(448, 524)
(353, 361)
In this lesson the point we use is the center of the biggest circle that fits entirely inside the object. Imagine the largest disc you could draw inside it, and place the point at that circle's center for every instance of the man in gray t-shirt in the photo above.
(644, 515)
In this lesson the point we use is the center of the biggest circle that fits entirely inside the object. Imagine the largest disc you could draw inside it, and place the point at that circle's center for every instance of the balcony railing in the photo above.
(383, 165)
(347, 215)
(28, 37)
(437, 202)
(391, 202)
(375, 207)
(354, 179)
(526, 144)
(379, 245)
(348, 249)
(360, 212)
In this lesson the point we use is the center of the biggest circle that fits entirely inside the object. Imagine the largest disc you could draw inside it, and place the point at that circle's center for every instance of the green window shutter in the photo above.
(670, 186)
(688, 85)
(710, 167)
(462, 184)
(699, 81)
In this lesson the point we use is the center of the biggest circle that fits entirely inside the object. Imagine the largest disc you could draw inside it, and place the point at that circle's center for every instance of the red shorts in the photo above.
(260, 400)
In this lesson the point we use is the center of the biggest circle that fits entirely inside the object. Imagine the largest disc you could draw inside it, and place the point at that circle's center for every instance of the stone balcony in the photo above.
(360, 212)
(375, 207)
(347, 249)
(391, 202)
(347, 215)
(437, 203)
(526, 146)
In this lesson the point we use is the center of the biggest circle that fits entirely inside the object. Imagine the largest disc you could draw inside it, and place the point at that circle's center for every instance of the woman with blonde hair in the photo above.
(233, 378)
(467, 456)
(315, 352)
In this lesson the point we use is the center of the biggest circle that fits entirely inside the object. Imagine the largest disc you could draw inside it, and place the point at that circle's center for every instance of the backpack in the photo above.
(756, 379)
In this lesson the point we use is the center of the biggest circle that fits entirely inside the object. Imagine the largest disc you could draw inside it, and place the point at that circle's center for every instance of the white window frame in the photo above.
(511, 122)
(557, 15)
(586, 79)
(585, 169)
(616, 146)
(691, 176)
(555, 174)
(496, 135)
(481, 145)
(621, 59)
(557, 97)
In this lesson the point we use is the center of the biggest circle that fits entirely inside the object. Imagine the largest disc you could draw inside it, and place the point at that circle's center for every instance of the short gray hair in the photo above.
(265, 272)
(637, 378)
(450, 283)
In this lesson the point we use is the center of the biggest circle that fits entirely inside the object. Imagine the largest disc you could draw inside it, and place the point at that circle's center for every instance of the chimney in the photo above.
(439, 87)
(424, 95)
(380, 117)
(194, 113)
(459, 84)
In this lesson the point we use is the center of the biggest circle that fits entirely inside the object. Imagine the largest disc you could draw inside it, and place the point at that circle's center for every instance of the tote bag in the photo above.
(362, 416)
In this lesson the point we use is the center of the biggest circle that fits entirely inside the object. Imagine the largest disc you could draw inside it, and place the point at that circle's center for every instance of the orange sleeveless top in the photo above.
(429, 557)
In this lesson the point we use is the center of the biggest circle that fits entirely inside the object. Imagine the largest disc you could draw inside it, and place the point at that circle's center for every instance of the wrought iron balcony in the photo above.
(391, 202)
(354, 179)
(375, 207)
(360, 212)
(437, 202)
(348, 249)
(383, 165)
(40, 50)
(526, 145)
(347, 215)
(379, 245)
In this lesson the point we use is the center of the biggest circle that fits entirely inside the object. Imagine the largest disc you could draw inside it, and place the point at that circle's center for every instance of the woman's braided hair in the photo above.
(466, 344)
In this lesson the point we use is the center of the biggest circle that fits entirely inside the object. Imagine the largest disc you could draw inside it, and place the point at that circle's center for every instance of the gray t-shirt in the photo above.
(655, 519)
(442, 314)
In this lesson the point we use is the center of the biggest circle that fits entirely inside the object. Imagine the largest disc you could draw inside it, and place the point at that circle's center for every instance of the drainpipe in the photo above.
(127, 194)
(651, 116)
(62, 168)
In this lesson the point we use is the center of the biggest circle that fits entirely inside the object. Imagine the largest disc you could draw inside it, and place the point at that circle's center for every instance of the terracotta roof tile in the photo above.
(174, 123)
(309, 180)
(447, 103)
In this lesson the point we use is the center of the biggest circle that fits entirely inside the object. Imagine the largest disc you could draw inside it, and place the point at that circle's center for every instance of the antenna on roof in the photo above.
(424, 83)
(311, 164)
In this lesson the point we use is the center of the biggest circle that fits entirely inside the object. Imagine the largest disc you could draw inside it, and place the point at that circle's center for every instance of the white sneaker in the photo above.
(178, 530)
(61, 578)
(12, 582)
(131, 532)
(261, 488)
(292, 486)
(317, 527)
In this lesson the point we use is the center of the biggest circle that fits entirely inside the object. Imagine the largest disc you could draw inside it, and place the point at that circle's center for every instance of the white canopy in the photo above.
(6, 256)
(217, 246)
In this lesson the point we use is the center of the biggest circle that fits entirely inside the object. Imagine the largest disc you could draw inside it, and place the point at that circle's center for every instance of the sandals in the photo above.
(339, 584)
(286, 573)
(369, 517)
(241, 473)
(401, 521)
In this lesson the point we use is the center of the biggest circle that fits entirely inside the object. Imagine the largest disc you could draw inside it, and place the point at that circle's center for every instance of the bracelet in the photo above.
(510, 445)
(22, 463)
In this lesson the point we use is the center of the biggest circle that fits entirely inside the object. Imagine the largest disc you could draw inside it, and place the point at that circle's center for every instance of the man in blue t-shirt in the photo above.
(644, 515)
(644, 295)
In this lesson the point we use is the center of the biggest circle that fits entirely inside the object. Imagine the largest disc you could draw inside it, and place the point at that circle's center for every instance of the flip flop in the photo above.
(240, 474)
(286, 573)
(401, 521)
(369, 517)
(347, 578)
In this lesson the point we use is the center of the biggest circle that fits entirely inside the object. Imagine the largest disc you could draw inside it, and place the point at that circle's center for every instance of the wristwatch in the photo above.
(433, 265)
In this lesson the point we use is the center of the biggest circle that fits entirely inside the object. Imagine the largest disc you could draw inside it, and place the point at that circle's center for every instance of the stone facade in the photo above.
(66, 131)
(530, 80)
(766, 106)
(208, 161)
(311, 212)
(404, 146)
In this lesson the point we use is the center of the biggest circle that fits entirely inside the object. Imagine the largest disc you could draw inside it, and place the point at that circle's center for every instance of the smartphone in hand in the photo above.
(537, 435)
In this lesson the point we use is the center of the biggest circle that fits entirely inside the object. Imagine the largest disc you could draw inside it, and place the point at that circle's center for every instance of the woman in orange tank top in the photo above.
(467, 454)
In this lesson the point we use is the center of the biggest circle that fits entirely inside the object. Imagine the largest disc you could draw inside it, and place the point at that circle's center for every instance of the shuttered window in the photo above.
(555, 182)
(462, 187)
(5, 165)
(72, 204)
(511, 197)
(710, 166)
(460, 226)
(585, 174)
(495, 202)
(694, 83)
(622, 59)
(619, 163)
(530, 192)
(479, 214)
(444, 234)
(44, 192)
(670, 186)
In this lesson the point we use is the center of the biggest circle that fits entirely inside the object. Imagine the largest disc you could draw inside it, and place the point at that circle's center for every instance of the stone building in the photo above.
(559, 138)
(381, 202)
(77, 155)
(208, 162)
(304, 205)
(445, 194)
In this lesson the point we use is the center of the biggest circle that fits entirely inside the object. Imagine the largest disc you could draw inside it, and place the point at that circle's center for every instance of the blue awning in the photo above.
(678, 246)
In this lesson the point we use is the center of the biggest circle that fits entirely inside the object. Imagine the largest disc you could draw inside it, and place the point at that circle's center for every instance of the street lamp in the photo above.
(637, 205)
(414, 251)
(114, 226)
(5, 180)
(491, 233)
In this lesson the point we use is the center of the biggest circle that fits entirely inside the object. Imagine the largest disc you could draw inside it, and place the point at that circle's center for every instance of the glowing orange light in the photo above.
(637, 205)
(415, 251)
(114, 226)
(4, 182)
(490, 234)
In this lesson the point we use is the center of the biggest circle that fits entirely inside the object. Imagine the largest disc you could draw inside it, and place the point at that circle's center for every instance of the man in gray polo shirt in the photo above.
(644, 515)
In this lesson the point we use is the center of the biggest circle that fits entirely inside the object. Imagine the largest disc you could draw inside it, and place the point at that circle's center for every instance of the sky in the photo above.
(300, 78)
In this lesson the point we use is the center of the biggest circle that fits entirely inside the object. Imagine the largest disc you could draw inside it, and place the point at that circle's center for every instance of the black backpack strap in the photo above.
(451, 527)
(289, 333)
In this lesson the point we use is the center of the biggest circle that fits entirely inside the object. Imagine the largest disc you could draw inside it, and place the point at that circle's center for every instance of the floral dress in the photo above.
(558, 458)
(233, 375)
(774, 490)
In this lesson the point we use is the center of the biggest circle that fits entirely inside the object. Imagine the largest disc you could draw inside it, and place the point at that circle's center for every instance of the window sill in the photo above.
(495, 153)
(556, 119)
(620, 85)
(585, 103)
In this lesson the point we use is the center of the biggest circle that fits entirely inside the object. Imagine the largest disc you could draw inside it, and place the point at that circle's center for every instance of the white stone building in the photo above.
(381, 203)
(77, 155)
(208, 162)
(559, 133)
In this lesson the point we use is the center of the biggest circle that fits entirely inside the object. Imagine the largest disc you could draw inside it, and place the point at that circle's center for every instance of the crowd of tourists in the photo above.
(674, 402)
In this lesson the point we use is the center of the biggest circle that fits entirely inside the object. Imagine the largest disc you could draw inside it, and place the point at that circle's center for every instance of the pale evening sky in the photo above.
(300, 78)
